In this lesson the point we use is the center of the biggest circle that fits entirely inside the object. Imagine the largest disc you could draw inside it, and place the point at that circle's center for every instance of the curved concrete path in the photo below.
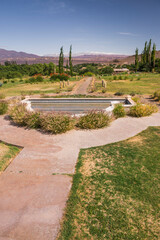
(32, 199)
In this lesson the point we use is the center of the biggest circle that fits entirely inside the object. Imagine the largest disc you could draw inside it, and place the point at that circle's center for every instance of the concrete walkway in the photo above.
(32, 199)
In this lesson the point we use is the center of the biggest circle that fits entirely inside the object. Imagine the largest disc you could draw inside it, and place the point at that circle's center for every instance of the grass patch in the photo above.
(7, 153)
(115, 191)
(131, 84)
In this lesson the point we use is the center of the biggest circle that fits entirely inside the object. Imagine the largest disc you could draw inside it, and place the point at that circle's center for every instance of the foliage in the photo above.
(142, 110)
(70, 61)
(89, 74)
(61, 61)
(157, 95)
(61, 77)
(56, 123)
(119, 111)
(3, 107)
(32, 119)
(18, 114)
(93, 120)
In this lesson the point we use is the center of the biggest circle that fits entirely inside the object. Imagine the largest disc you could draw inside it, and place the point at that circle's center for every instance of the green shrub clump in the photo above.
(157, 95)
(56, 123)
(3, 108)
(93, 120)
(18, 113)
(32, 119)
(142, 110)
(59, 77)
(119, 111)
(88, 74)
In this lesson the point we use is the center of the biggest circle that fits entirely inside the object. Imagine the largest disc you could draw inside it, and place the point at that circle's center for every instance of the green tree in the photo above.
(153, 57)
(70, 61)
(136, 59)
(61, 61)
(145, 53)
(148, 59)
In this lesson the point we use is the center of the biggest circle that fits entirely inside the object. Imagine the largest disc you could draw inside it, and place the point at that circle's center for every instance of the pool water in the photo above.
(73, 108)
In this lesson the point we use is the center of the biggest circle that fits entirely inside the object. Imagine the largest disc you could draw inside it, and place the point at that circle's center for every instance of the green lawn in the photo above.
(7, 153)
(134, 83)
(115, 192)
(21, 88)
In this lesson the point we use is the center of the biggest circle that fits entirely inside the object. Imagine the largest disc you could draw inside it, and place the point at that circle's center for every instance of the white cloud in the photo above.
(127, 34)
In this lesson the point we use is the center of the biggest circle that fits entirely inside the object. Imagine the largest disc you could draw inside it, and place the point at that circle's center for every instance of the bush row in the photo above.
(56, 122)
(60, 123)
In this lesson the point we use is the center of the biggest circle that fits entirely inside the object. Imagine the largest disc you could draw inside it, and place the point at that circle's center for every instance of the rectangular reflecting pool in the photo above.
(73, 105)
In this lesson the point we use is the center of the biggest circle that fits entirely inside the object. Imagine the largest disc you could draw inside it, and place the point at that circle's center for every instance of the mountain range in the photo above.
(23, 57)
(103, 58)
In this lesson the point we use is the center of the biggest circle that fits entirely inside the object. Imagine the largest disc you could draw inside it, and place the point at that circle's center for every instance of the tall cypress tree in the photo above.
(70, 61)
(61, 60)
(145, 53)
(153, 57)
(149, 52)
(136, 59)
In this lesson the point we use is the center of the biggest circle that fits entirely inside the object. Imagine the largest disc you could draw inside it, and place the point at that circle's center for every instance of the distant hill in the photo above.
(9, 54)
(22, 57)
(131, 59)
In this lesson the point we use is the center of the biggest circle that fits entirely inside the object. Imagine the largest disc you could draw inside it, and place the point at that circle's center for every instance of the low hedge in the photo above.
(56, 123)
(119, 111)
(3, 107)
(142, 110)
(93, 120)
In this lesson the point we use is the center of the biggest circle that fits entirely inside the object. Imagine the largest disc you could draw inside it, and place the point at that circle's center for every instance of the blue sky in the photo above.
(110, 26)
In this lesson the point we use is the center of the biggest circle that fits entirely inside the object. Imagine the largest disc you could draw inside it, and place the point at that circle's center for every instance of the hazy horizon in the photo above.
(104, 26)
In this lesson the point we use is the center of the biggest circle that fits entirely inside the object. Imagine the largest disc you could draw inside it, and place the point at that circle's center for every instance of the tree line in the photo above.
(147, 61)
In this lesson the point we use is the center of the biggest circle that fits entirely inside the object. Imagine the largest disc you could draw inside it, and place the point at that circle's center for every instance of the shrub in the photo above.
(120, 77)
(61, 77)
(56, 123)
(39, 79)
(89, 74)
(157, 95)
(115, 78)
(3, 107)
(119, 94)
(119, 111)
(142, 110)
(5, 81)
(93, 120)
(32, 119)
(18, 113)
(104, 90)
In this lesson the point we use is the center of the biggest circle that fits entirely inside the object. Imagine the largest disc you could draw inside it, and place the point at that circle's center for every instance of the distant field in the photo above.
(21, 88)
(134, 83)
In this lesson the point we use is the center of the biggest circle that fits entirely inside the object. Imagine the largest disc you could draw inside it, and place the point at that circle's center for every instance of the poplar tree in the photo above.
(145, 53)
(136, 59)
(148, 59)
(153, 57)
(61, 60)
(70, 61)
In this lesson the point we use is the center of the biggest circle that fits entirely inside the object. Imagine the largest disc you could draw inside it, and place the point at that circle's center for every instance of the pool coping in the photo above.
(109, 109)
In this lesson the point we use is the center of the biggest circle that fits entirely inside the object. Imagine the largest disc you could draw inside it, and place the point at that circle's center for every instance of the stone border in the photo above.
(109, 109)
